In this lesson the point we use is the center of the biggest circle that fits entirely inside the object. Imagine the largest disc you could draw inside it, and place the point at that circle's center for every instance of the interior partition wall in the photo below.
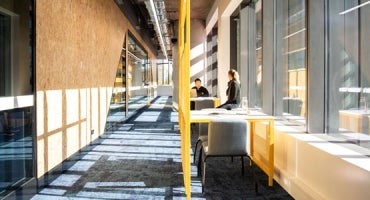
(17, 110)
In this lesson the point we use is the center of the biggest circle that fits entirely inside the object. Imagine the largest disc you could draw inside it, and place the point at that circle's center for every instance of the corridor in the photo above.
(140, 159)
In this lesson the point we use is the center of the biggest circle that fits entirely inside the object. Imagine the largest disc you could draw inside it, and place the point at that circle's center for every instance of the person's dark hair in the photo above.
(197, 79)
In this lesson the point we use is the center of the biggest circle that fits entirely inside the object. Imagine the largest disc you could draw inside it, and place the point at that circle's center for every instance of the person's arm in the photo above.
(193, 92)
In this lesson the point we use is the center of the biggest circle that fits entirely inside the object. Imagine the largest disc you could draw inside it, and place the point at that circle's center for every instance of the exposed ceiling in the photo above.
(141, 16)
(199, 9)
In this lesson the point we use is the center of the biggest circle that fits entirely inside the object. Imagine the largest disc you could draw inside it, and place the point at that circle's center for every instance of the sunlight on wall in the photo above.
(54, 149)
(40, 132)
(54, 109)
(84, 112)
(73, 99)
(197, 51)
(197, 68)
(103, 107)
(94, 110)
(83, 102)
(84, 137)
(40, 157)
(73, 138)
(40, 113)
(62, 132)
(72, 106)
(197, 58)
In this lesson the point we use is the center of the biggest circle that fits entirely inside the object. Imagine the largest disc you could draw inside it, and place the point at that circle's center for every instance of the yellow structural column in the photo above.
(184, 90)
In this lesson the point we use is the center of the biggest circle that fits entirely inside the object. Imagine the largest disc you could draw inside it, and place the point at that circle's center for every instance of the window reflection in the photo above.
(117, 109)
(5, 66)
(16, 94)
(293, 41)
(137, 75)
(349, 72)
(258, 90)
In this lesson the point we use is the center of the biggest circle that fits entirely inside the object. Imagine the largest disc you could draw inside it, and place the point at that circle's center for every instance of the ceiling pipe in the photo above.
(158, 17)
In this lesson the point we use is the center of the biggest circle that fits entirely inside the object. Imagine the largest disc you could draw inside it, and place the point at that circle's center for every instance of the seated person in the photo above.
(233, 91)
(200, 90)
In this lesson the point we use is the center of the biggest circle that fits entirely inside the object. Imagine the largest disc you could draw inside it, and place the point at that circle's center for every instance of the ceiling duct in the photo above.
(157, 12)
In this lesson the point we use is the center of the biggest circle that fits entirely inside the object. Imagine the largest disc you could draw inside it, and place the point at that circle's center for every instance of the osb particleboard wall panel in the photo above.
(79, 43)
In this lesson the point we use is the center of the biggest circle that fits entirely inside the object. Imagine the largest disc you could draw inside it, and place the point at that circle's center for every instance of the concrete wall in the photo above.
(198, 50)
(197, 56)
(223, 9)
(175, 75)
(78, 49)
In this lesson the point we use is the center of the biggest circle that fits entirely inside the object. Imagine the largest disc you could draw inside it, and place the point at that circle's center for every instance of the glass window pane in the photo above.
(293, 54)
(16, 94)
(349, 74)
(117, 108)
(258, 89)
(5, 56)
(136, 75)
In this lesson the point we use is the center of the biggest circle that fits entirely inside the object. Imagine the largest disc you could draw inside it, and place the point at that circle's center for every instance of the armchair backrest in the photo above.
(227, 137)
(202, 104)
(205, 103)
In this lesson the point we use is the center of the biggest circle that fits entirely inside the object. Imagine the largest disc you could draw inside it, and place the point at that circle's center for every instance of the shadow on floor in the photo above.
(140, 159)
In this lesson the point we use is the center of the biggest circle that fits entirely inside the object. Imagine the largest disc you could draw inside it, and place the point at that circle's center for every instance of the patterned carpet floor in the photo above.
(140, 159)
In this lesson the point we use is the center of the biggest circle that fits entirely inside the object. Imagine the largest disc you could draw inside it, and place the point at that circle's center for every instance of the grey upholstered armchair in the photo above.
(226, 137)
(203, 127)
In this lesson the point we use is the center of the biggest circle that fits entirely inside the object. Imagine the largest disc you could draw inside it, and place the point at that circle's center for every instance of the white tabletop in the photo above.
(202, 98)
(211, 113)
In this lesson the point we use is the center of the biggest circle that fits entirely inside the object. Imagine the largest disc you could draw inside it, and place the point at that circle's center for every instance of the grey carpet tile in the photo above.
(141, 159)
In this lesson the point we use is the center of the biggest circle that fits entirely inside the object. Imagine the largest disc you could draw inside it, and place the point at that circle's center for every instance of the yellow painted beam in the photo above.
(184, 88)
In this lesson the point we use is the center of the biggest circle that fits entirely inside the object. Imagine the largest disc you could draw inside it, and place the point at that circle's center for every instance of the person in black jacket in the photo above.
(201, 91)
(233, 91)
(198, 91)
